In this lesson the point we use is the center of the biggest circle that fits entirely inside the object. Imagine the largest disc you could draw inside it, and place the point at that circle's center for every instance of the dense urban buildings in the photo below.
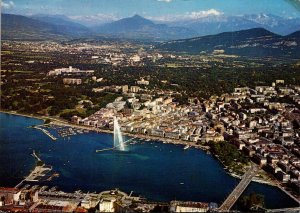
(258, 121)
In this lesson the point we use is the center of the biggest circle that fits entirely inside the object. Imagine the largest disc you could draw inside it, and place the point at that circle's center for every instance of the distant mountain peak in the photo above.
(138, 27)
(137, 16)
(137, 19)
(258, 31)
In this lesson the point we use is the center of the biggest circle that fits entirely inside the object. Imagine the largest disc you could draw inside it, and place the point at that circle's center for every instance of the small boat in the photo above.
(186, 147)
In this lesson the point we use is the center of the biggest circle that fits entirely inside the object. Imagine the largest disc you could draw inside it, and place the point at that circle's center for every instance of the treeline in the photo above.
(229, 155)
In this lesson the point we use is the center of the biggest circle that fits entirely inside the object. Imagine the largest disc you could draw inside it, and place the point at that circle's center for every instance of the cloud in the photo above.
(167, 1)
(7, 5)
(204, 13)
(99, 18)
(188, 16)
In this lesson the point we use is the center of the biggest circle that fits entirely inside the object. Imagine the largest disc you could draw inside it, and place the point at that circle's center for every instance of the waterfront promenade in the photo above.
(141, 136)
(60, 122)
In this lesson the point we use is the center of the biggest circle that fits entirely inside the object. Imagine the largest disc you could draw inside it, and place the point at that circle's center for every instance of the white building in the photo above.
(143, 82)
(179, 206)
(69, 70)
(135, 58)
(72, 81)
(107, 204)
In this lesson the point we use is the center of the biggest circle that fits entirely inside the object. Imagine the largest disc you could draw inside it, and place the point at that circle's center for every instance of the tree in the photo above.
(251, 202)
(40, 163)
(47, 121)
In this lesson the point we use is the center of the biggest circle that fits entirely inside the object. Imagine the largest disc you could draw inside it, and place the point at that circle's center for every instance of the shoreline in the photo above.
(60, 122)
(22, 114)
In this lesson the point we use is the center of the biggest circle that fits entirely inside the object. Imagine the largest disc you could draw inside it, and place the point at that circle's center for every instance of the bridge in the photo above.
(239, 189)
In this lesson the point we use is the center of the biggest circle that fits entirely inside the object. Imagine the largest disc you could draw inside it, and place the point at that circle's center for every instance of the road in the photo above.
(239, 189)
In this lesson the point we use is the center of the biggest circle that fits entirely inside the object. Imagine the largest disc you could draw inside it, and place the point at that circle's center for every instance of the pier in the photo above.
(39, 172)
(46, 132)
(35, 156)
(112, 148)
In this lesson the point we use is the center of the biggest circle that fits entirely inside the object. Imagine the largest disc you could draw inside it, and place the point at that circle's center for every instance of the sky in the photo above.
(164, 10)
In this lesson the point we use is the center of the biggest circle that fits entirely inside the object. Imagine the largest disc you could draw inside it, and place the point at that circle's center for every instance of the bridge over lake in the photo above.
(239, 189)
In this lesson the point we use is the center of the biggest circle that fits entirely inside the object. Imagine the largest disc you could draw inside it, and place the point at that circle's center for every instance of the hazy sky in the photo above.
(157, 9)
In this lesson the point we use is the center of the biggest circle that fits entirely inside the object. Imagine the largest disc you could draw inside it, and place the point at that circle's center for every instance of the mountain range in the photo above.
(64, 23)
(40, 27)
(136, 27)
(256, 42)
(21, 27)
(217, 24)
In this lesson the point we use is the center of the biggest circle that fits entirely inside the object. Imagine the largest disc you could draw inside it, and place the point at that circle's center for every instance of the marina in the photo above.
(54, 131)
(45, 131)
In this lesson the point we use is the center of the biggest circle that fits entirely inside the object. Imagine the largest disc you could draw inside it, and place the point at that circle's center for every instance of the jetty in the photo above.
(115, 147)
(35, 156)
(38, 173)
(46, 132)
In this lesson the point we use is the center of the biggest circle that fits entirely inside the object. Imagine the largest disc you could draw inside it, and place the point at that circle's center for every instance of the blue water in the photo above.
(154, 170)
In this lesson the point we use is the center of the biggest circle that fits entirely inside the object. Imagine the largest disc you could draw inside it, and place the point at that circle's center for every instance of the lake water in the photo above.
(154, 170)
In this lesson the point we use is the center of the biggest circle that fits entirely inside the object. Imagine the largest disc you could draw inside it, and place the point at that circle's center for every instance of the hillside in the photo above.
(40, 27)
(21, 27)
(64, 24)
(256, 42)
(295, 35)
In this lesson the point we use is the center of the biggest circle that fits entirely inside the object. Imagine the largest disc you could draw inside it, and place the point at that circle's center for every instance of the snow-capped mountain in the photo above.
(222, 23)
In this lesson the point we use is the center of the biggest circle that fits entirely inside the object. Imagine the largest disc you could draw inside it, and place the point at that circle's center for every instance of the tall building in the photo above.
(134, 89)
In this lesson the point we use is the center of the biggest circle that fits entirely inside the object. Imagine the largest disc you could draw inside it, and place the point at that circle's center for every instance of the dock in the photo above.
(46, 132)
(35, 156)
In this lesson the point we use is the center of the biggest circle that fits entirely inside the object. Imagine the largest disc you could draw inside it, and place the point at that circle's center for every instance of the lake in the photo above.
(156, 171)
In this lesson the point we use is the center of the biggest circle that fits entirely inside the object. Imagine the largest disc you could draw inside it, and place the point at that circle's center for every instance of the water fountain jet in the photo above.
(118, 138)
